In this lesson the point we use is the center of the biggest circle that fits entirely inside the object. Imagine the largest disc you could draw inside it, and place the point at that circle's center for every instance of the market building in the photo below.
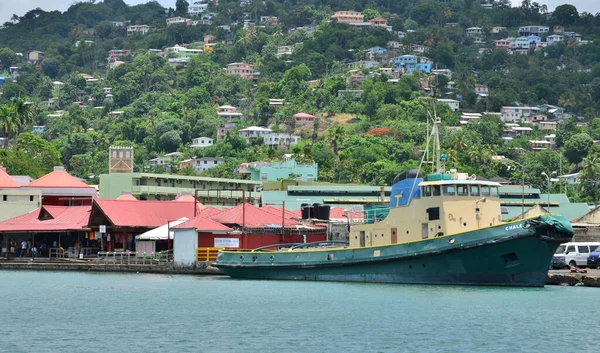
(59, 188)
(14, 200)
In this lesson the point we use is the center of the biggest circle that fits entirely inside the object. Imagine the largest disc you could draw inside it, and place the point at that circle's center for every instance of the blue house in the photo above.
(2, 80)
(534, 39)
(376, 50)
(409, 63)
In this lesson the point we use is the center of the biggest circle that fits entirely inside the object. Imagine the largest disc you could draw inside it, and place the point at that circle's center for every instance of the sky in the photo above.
(20, 7)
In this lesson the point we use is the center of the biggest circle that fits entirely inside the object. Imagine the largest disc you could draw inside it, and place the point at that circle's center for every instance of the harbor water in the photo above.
(99, 312)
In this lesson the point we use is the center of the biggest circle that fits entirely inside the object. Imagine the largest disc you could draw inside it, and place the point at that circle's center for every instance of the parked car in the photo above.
(593, 261)
(558, 264)
(576, 254)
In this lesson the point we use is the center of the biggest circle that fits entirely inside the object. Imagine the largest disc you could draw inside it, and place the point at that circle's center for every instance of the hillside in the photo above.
(106, 73)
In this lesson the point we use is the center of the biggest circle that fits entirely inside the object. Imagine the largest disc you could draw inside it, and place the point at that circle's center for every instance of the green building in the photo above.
(210, 191)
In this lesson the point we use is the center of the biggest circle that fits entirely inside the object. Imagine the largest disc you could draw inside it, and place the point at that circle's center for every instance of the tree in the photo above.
(590, 174)
(8, 58)
(577, 147)
(8, 121)
(370, 14)
(565, 14)
(181, 7)
(50, 67)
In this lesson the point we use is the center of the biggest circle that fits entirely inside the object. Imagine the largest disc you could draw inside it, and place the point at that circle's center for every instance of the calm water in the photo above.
(81, 312)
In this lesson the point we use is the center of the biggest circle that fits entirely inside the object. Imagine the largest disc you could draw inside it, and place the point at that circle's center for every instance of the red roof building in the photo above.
(49, 227)
(250, 216)
(124, 219)
(59, 188)
(6, 181)
(304, 119)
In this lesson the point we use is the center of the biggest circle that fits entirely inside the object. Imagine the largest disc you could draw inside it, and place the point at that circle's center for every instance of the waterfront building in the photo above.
(59, 188)
(15, 200)
(57, 231)
(274, 171)
(211, 191)
(199, 232)
(117, 222)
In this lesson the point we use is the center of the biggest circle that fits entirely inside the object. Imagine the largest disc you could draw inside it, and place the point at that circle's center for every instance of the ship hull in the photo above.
(515, 255)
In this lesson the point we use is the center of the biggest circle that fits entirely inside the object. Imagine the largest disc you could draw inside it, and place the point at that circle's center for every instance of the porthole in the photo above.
(465, 224)
(451, 241)
(242, 258)
(272, 258)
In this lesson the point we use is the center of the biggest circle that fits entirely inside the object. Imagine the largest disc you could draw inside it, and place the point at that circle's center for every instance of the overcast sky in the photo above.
(20, 7)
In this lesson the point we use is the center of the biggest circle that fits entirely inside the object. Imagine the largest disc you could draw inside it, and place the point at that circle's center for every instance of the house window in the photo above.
(31, 198)
(4, 197)
(215, 162)
(205, 162)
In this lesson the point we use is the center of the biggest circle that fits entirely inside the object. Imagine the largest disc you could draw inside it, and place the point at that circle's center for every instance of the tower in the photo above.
(120, 159)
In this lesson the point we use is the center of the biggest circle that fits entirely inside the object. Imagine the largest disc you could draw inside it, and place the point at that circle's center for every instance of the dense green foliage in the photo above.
(159, 109)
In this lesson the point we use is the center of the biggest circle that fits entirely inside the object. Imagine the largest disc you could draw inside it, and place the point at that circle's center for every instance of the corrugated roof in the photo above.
(6, 181)
(277, 211)
(49, 219)
(58, 179)
(303, 115)
(250, 216)
(126, 213)
(202, 223)
(209, 211)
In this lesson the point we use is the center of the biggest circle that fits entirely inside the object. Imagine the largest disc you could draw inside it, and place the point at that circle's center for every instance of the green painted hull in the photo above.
(515, 254)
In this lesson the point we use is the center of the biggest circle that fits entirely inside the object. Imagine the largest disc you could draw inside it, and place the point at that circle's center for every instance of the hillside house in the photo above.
(201, 164)
(201, 142)
(554, 38)
(348, 17)
(197, 8)
(138, 29)
(509, 114)
(241, 69)
(178, 20)
(452, 103)
(537, 30)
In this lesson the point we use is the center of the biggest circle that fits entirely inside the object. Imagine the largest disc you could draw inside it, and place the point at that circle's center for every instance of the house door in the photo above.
(394, 236)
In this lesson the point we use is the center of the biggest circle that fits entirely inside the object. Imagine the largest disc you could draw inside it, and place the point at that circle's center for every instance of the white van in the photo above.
(576, 254)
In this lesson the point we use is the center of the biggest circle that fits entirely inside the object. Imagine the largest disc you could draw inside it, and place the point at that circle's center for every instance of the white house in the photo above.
(197, 8)
(201, 142)
(555, 38)
(452, 103)
(254, 131)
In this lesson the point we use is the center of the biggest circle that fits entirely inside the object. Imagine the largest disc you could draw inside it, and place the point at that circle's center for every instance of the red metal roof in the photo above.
(254, 217)
(58, 179)
(277, 211)
(202, 223)
(209, 212)
(337, 212)
(6, 181)
(127, 197)
(140, 213)
(49, 219)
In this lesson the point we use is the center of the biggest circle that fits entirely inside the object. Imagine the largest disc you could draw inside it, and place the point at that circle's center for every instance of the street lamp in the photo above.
(505, 161)
(548, 186)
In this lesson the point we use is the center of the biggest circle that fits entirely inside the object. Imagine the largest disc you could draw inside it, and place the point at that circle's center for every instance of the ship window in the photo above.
(475, 190)
(504, 210)
(449, 190)
(485, 191)
(461, 190)
(433, 213)
(436, 190)
(427, 191)
(495, 192)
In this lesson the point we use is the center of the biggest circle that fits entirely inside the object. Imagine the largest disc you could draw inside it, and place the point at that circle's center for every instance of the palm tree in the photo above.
(590, 173)
(8, 121)
(23, 114)
(335, 135)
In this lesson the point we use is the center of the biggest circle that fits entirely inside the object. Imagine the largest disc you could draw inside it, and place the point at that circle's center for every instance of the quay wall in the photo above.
(203, 268)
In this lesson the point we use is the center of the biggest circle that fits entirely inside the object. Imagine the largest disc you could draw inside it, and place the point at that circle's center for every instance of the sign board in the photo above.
(227, 243)
(102, 229)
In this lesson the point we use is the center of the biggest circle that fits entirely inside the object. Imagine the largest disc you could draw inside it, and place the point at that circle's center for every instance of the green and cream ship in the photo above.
(444, 229)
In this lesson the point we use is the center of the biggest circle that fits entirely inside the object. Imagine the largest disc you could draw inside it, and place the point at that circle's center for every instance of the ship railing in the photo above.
(322, 244)
(276, 247)
(135, 258)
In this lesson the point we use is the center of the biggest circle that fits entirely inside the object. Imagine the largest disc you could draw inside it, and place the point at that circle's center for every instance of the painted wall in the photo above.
(185, 243)
(252, 241)
(18, 202)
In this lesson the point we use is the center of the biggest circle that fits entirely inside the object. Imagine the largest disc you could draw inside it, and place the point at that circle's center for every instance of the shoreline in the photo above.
(556, 278)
